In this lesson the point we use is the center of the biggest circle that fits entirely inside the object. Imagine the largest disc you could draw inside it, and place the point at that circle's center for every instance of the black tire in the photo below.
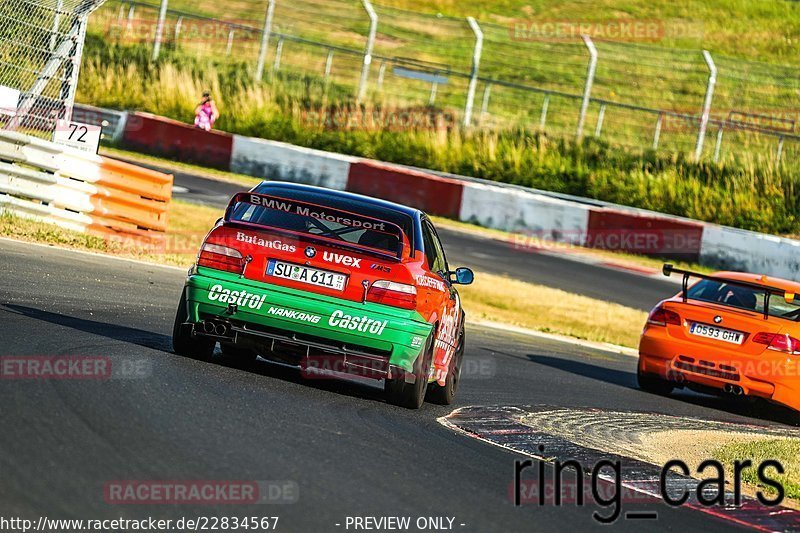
(411, 395)
(653, 384)
(237, 355)
(182, 341)
(445, 395)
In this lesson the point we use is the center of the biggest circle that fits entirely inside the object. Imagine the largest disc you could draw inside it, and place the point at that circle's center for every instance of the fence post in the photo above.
(131, 13)
(587, 89)
(476, 61)
(719, 143)
(600, 116)
(162, 17)
(373, 29)
(265, 33)
(328, 64)
(712, 81)
(543, 115)
(487, 92)
(56, 23)
(381, 74)
(657, 132)
(278, 51)
(178, 25)
(73, 70)
(229, 46)
(434, 90)
(780, 149)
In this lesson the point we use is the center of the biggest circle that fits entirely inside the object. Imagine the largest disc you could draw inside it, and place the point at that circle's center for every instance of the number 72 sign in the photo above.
(84, 137)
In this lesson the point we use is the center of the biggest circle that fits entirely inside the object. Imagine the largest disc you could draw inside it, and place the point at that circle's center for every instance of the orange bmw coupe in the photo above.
(728, 332)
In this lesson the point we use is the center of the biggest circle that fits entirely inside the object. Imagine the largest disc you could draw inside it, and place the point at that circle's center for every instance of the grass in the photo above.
(785, 451)
(491, 297)
(177, 166)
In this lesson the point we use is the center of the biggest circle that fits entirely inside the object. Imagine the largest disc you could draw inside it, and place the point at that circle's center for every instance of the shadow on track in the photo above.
(139, 337)
(747, 407)
(163, 343)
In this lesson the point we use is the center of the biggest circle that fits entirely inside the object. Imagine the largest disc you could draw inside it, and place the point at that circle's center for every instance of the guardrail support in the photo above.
(587, 89)
(373, 29)
(162, 17)
(476, 61)
(381, 74)
(56, 23)
(434, 90)
(712, 81)
(265, 33)
(780, 149)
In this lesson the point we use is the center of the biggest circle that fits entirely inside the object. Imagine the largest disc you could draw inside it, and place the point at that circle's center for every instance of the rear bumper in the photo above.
(771, 375)
(271, 313)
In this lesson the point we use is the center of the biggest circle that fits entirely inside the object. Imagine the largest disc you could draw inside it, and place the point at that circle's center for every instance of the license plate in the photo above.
(304, 274)
(713, 332)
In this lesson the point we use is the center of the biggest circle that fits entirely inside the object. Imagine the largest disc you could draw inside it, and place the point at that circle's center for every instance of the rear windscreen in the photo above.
(320, 220)
(747, 298)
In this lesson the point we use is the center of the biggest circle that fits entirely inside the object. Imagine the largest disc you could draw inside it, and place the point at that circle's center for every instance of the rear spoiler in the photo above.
(322, 213)
(668, 270)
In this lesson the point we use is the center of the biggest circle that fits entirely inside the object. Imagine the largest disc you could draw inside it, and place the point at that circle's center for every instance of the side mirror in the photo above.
(789, 297)
(464, 276)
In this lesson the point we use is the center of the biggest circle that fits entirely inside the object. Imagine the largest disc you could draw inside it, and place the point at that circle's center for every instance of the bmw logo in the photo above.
(310, 252)
(717, 319)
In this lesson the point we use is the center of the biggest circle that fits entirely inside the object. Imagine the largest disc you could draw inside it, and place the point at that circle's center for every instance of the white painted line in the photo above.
(603, 346)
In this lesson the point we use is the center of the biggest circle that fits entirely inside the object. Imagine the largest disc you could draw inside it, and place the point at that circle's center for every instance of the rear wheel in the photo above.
(444, 395)
(653, 383)
(182, 341)
(411, 395)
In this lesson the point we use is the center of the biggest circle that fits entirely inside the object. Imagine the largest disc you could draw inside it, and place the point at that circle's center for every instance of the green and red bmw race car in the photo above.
(328, 280)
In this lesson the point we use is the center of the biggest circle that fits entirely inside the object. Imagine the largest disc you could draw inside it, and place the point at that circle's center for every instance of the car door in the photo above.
(448, 305)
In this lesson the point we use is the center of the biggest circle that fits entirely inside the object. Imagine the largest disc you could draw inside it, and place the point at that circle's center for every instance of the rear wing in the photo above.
(334, 222)
(668, 270)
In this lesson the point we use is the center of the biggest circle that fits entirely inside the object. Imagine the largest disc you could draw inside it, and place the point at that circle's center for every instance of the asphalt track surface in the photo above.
(347, 451)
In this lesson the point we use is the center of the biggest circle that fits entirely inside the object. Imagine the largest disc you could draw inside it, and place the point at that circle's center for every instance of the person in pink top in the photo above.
(206, 113)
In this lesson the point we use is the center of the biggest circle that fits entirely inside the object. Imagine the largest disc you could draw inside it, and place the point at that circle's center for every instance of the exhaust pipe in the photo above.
(221, 329)
(736, 390)
(208, 327)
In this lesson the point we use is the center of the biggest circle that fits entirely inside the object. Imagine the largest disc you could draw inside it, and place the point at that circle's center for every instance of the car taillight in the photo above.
(221, 258)
(661, 317)
(394, 294)
(779, 342)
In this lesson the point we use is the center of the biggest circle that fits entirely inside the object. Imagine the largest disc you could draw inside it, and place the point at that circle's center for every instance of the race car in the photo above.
(727, 332)
(331, 282)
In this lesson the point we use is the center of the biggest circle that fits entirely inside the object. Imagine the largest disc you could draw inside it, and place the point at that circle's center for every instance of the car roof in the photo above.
(415, 214)
(760, 279)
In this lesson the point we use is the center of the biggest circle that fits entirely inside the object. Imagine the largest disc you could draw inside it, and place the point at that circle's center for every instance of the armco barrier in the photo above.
(163, 136)
(113, 122)
(81, 191)
(432, 194)
(280, 161)
(643, 233)
(535, 215)
(737, 249)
